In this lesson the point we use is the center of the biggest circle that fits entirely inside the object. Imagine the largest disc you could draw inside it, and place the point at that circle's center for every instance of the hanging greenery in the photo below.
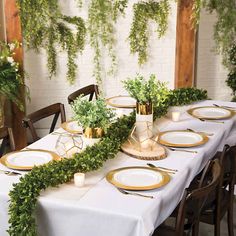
(102, 16)
(45, 27)
(143, 13)
(23, 196)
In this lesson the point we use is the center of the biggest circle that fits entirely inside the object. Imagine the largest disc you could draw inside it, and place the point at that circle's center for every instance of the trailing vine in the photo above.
(45, 27)
(143, 12)
(102, 16)
(23, 196)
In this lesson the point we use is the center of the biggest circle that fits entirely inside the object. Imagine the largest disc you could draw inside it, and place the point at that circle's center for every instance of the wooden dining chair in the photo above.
(193, 200)
(90, 90)
(54, 109)
(221, 202)
(6, 140)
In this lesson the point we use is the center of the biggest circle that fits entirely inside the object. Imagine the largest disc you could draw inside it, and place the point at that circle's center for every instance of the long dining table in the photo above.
(99, 208)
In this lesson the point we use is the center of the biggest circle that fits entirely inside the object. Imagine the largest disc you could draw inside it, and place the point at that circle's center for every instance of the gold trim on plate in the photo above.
(109, 102)
(110, 179)
(64, 126)
(163, 142)
(191, 111)
(4, 161)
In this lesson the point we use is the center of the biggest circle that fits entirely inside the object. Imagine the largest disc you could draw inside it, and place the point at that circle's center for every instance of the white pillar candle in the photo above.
(175, 115)
(79, 179)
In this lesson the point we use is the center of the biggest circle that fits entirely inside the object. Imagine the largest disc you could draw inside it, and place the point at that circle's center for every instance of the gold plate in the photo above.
(169, 144)
(66, 128)
(111, 103)
(110, 178)
(4, 161)
(191, 112)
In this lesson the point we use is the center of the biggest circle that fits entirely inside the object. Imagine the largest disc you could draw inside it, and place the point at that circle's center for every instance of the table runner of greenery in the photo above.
(23, 196)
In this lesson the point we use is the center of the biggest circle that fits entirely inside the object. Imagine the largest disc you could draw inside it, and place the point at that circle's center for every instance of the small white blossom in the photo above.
(10, 60)
(11, 46)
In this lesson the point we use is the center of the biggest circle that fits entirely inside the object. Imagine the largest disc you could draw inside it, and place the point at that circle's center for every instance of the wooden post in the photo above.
(185, 45)
(13, 32)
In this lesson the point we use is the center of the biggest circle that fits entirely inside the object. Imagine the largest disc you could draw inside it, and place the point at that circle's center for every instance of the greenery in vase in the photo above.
(148, 91)
(102, 16)
(92, 114)
(23, 196)
(45, 27)
(10, 77)
(143, 13)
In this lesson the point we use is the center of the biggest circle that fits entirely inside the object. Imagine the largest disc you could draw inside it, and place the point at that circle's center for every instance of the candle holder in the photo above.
(79, 179)
(68, 144)
(175, 115)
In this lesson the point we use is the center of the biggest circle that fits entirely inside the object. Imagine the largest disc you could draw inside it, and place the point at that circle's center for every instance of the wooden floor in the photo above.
(208, 230)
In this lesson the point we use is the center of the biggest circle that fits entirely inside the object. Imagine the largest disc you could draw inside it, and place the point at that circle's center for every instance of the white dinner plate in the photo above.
(182, 138)
(137, 178)
(211, 113)
(121, 102)
(27, 159)
(72, 127)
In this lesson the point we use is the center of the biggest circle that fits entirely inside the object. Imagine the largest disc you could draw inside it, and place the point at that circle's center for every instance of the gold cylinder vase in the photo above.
(144, 109)
(93, 132)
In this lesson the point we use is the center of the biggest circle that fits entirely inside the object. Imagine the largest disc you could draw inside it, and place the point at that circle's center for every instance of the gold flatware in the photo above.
(181, 150)
(6, 172)
(135, 194)
(227, 107)
(215, 121)
(172, 171)
(207, 134)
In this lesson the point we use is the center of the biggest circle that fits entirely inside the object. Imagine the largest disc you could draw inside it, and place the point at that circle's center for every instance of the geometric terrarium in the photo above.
(68, 144)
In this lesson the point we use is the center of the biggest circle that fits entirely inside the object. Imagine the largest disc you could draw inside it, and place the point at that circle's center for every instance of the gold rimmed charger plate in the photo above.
(203, 139)
(228, 113)
(66, 127)
(6, 163)
(111, 101)
(111, 178)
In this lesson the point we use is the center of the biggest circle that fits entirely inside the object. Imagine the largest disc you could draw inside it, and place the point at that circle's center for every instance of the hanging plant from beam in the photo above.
(143, 12)
(44, 26)
(102, 16)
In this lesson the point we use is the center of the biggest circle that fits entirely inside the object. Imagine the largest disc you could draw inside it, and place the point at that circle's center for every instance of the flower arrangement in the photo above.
(92, 114)
(10, 78)
(148, 91)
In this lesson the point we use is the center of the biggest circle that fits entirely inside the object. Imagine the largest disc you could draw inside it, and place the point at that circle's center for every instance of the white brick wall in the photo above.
(211, 74)
(162, 63)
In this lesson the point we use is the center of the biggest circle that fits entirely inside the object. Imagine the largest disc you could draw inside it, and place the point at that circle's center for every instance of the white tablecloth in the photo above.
(99, 209)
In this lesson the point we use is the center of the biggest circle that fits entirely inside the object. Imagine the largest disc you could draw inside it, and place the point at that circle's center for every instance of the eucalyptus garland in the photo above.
(102, 16)
(23, 196)
(45, 27)
(143, 13)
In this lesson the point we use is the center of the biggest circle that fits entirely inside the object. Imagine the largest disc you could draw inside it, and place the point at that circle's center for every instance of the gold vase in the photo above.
(144, 109)
(93, 132)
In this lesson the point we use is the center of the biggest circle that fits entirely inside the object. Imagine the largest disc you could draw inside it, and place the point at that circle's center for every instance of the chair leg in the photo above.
(195, 229)
(217, 229)
(230, 221)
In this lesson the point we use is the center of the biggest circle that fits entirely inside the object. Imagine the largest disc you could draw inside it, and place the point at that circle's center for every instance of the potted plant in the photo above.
(94, 116)
(10, 78)
(148, 94)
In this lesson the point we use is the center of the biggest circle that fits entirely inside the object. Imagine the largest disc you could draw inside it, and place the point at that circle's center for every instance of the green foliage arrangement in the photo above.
(231, 78)
(143, 13)
(45, 27)
(23, 196)
(92, 114)
(10, 78)
(144, 91)
(184, 96)
(102, 16)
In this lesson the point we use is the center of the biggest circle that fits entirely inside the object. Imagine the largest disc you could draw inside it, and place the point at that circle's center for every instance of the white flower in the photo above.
(11, 46)
(10, 60)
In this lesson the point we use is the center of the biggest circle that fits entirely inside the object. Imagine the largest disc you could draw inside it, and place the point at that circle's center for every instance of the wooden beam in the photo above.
(13, 32)
(185, 45)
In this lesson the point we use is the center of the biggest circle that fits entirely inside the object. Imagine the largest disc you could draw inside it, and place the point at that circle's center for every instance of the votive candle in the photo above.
(175, 115)
(79, 179)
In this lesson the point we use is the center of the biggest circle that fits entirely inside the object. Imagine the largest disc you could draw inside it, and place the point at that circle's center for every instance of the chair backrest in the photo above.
(90, 90)
(6, 137)
(194, 199)
(54, 109)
